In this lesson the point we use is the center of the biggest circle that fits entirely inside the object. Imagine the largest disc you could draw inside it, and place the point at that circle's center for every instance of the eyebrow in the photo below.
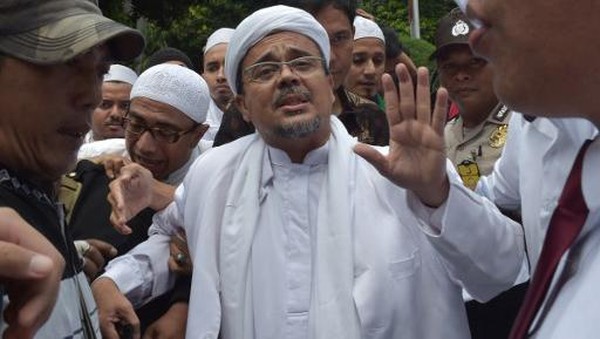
(137, 116)
(213, 63)
(294, 52)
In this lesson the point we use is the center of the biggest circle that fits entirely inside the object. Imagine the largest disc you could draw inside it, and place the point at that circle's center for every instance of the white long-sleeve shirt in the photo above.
(530, 175)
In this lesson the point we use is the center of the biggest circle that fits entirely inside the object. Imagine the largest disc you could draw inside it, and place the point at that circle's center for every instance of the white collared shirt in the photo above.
(530, 175)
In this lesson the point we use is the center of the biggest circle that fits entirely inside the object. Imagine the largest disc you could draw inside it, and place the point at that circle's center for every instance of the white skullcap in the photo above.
(365, 28)
(176, 86)
(220, 36)
(264, 22)
(120, 73)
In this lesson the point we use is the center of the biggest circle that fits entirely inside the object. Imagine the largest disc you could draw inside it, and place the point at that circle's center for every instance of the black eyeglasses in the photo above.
(268, 70)
(135, 129)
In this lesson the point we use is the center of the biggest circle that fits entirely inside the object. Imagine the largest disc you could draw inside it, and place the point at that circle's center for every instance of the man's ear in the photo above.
(240, 103)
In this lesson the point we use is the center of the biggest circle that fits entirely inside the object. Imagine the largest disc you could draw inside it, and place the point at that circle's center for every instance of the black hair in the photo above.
(393, 46)
(169, 54)
(315, 6)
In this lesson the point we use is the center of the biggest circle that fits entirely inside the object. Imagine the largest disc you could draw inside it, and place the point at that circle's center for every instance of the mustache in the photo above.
(291, 90)
(114, 121)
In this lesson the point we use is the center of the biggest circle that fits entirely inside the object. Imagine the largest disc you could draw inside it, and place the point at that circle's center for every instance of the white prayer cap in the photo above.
(365, 28)
(120, 73)
(176, 86)
(220, 36)
(263, 22)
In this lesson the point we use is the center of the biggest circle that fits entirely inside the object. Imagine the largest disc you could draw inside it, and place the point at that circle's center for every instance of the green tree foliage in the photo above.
(186, 24)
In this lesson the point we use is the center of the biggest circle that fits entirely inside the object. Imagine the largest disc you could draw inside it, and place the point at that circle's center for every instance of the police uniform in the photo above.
(474, 151)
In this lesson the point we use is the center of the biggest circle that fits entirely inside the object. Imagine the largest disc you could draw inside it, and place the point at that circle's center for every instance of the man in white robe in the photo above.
(293, 235)
(213, 71)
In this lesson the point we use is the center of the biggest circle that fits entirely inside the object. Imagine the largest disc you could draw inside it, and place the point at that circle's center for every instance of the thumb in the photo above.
(21, 263)
(372, 156)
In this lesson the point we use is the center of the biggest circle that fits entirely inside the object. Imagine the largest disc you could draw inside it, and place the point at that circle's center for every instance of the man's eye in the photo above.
(166, 133)
(105, 104)
(477, 62)
(302, 65)
(358, 59)
(124, 105)
(339, 38)
(265, 71)
(135, 126)
(378, 61)
(448, 67)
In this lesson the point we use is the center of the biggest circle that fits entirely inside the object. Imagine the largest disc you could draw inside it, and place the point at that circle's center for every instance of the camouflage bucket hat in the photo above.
(55, 31)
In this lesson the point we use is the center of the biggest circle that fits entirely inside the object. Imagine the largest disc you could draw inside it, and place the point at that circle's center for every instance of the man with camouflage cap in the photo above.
(475, 138)
(53, 55)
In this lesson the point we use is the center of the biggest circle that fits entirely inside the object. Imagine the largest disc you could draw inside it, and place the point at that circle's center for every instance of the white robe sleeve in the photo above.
(482, 249)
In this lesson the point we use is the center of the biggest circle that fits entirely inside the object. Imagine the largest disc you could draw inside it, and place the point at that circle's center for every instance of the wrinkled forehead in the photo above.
(283, 43)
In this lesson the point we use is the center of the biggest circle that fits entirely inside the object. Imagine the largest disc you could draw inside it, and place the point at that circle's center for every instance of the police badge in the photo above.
(460, 28)
(498, 137)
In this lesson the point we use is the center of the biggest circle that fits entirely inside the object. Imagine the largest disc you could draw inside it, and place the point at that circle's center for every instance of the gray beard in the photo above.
(299, 129)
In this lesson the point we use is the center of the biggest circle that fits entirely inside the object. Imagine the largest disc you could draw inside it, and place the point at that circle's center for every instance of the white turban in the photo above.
(365, 28)
(264, 22)
(176, 86)
(120, 73)
(220, 36)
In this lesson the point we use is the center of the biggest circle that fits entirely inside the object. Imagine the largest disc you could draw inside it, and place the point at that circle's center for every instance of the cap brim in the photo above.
(443, 47)
(63, 40)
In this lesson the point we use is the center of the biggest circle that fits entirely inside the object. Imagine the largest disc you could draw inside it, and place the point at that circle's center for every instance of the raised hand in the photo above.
(134, 190)
(129, 194)
(416, 160)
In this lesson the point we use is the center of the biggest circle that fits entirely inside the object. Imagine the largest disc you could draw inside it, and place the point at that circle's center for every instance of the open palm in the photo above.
(416, 160)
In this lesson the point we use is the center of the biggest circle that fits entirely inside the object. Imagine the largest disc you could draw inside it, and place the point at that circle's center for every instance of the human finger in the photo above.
(373, 156)
(107, 250)
(116, 199)
(423, 96)
(440, 111)
(90, 268)
(406, 93)
(392, 103)
(17, 262)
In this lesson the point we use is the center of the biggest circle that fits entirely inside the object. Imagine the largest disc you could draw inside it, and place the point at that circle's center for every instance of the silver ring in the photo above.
(180, 258)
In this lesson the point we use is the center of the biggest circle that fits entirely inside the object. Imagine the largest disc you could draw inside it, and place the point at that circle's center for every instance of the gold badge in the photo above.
(498, 137)
(469, 173)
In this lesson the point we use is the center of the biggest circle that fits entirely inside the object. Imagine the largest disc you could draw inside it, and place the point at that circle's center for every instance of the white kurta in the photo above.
(283, 249)
(403, 287)
(530, 175)
(214, 116)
